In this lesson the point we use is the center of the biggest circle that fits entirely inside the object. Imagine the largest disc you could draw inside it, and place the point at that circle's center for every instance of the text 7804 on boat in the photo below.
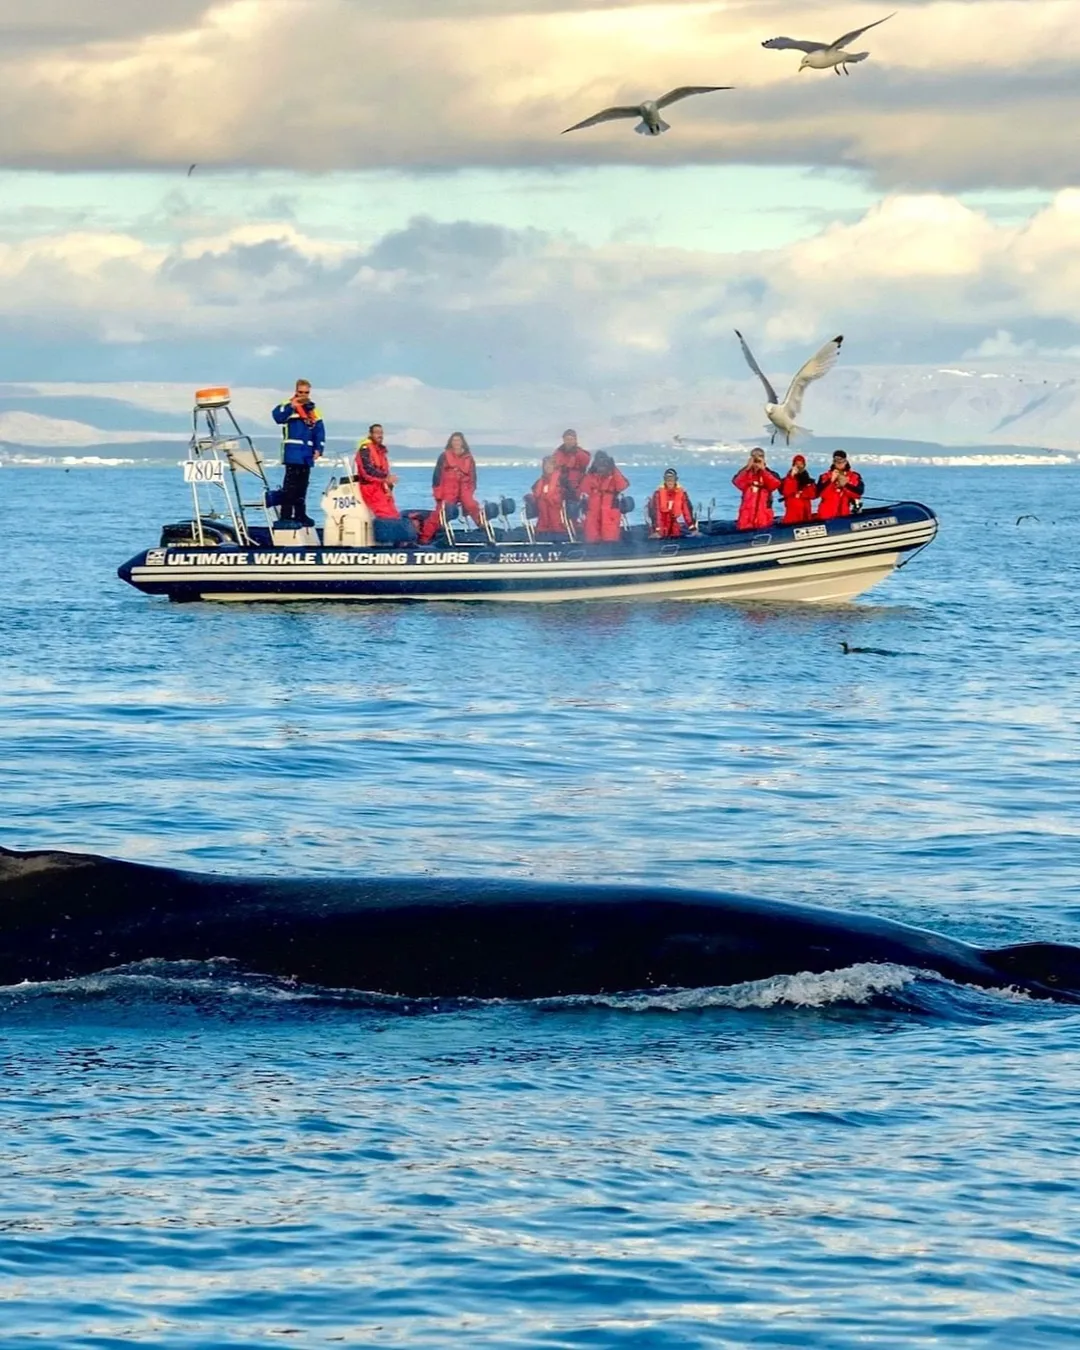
(240, 546)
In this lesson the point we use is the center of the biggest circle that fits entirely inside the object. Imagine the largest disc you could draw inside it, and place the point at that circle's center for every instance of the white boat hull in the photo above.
(816, 563)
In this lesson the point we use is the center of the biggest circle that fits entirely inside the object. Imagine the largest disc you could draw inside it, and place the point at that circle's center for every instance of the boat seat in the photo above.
(477, 536)
(394, 531)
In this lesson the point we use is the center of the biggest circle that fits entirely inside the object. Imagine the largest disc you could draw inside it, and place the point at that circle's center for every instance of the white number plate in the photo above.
(204, 471)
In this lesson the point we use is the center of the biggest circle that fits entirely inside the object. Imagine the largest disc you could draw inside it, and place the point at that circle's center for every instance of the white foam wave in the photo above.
(176, 979)
(859, 984)
(711, 456)
(980, 461)
(220, 982)
(17, 461)
(946, 457)
(196, 980)
(943, 459)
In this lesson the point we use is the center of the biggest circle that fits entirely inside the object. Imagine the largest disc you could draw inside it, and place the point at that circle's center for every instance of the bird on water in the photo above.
(866, 651)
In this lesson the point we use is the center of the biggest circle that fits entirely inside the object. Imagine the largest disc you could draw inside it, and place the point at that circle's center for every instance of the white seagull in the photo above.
(783, 415)
(651, 124)
(823, 55)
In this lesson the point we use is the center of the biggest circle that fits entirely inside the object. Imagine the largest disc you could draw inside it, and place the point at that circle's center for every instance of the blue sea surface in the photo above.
(198, 1156)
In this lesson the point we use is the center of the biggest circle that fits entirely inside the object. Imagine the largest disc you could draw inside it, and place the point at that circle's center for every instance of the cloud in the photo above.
(51, 24)
(955, 94)
(471, 306)
(1003, 345)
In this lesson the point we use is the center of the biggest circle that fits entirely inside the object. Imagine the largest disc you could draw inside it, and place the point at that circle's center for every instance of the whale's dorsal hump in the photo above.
(1053, 964)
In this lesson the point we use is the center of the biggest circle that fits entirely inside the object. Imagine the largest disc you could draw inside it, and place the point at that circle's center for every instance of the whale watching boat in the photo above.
(235, 547)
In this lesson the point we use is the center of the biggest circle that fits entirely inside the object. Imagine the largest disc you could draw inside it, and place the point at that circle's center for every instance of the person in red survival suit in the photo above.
(798, 491)
(666, 505)
(454, 481)
(602, 486)
(571, 464)
(547, 492)
(757, 483)
(839, 488)
(374, 476)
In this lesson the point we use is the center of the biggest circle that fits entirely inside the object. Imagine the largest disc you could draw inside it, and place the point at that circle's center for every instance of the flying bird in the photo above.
(783, 415)
(191, 170)
(651, 124)
(823, 55)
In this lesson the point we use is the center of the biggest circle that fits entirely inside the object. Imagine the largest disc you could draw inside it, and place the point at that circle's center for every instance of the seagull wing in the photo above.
(819, 364)
(858, 32)
(687, 91)
(795, 45)
(608, 115)
(756, 368)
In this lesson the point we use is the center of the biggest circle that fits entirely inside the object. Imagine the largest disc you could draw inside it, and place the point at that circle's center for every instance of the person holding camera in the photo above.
(302, 439)
(798, 491)
(757, 483)
(840, 488)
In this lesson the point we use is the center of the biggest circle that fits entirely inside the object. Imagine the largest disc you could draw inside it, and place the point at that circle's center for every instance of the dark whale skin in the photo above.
(69, 914)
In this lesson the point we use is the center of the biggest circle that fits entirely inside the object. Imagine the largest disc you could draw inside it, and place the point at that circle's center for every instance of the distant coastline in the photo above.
(161, 453)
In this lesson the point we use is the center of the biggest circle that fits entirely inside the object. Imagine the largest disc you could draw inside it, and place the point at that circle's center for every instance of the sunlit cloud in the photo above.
(955, 94)
(475, 304)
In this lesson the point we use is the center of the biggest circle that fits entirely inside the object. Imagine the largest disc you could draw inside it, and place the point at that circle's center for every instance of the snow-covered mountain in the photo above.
(970, 404)
(32, 429)
(1026, 402)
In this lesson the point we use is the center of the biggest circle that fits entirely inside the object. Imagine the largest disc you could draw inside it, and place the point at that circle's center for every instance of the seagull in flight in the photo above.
(823, 55)
(651, 124)
(783, 415)
(191, 171)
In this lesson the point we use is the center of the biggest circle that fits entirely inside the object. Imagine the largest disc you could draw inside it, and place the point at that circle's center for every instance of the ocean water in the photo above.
(195, 1156)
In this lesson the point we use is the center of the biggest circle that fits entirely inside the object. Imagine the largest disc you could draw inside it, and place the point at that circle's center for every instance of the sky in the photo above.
(382, 190)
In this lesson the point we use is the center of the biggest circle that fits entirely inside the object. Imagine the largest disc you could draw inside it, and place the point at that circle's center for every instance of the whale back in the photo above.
(65, 914)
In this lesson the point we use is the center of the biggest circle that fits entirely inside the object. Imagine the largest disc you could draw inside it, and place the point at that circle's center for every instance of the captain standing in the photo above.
(302, 439)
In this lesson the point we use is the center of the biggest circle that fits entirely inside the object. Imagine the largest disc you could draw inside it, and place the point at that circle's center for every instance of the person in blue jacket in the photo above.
(302, 439)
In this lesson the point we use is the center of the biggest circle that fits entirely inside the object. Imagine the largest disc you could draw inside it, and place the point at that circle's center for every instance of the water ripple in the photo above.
(194, 1157)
